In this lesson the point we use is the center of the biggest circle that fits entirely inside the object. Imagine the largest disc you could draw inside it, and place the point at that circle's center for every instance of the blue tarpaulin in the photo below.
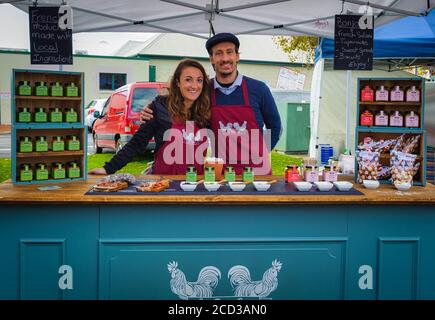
(409, 37)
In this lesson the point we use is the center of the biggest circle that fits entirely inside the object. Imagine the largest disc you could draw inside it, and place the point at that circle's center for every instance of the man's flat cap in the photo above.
(221, 37)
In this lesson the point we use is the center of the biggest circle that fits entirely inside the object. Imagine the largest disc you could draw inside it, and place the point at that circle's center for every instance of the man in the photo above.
(241, 108)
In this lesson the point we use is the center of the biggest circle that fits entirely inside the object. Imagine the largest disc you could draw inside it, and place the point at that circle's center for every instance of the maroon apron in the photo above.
(238, 139)
(185, 146)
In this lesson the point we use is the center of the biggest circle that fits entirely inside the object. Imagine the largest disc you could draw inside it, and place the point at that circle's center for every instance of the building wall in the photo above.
(267, 72)
(136, 69)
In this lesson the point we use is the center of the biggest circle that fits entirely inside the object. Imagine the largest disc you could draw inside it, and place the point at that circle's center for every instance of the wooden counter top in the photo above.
(73, 193)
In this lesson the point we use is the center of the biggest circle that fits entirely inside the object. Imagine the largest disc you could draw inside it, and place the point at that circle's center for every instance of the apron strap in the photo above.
(213, 94)
(245, 93)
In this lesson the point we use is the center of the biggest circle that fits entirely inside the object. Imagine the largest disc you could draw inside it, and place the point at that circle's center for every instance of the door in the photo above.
(298, 127)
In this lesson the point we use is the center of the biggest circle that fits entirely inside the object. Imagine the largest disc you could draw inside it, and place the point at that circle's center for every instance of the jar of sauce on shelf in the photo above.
(396, 119)
(396, 94)
(230, 174)
(366, 118)
(191, 174)
(382, 94)
(381, 119)
(367, 94)
(413, 94)
(412, 120)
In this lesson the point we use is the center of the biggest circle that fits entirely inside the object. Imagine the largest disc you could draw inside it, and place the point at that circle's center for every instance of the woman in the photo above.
(187, 100)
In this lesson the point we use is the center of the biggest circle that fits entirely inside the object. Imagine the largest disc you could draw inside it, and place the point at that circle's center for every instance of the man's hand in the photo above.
(100, 171)
(146, 114)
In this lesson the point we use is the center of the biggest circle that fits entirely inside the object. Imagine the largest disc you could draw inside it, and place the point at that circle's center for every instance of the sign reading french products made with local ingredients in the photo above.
(50, 35)
(353, 42)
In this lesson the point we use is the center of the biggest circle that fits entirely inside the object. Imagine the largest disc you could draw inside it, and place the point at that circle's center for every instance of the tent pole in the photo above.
(348, 95)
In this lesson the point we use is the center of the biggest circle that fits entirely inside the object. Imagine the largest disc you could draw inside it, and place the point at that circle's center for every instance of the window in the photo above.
(142, 97)
(112, 81)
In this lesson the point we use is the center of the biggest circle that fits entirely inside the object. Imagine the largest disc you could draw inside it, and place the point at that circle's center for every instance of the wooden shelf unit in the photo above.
(387, 132)
(49, 130)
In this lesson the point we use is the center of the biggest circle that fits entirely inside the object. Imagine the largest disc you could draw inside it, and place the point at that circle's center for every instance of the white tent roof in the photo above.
(286, 17)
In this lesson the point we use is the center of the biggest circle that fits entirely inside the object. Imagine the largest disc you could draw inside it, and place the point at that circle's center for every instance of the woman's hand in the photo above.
(100, 171)
(146, 114)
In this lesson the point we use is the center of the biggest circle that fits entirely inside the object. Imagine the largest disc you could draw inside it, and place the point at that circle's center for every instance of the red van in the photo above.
(120, 116)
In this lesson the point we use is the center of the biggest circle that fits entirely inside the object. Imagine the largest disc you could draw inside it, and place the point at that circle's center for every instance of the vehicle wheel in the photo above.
(97, 149)
(119, 145)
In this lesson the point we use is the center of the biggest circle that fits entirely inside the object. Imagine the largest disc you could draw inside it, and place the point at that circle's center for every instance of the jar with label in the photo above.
(381, 94)
(209, 174)
(55, 115)
(40, 115)
(292, 174)
(73, 170)
(24, 115)
(248, 174)
(24, 88)
(58, 171)
(413, 94)
(230, 174)
(396, 119)
(73, 143)
(381, 119)
(329, 174)
(191, 174)
(71, 115)
(26, 172)
(311, 174)
(58, 144)
(367, 94)
(26, 144)
(56, 89)
(396, 94)
(41, 171)
(72, 90)
(41, 88)
(412, 120)
(41, 144)
(366, 118)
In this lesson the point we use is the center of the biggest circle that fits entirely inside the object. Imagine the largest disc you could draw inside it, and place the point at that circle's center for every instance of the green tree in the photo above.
(294, 46)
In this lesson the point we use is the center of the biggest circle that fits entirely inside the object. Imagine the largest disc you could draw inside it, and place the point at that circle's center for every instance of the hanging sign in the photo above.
(353, 42)
(50, 35)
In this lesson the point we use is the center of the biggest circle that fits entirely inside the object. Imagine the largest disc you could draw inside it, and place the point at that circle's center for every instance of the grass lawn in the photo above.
(279, 162)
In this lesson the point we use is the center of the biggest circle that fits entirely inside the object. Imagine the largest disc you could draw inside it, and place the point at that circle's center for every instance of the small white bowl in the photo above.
(188, 186)
(303, 185)
(371, 184)
(343, 185)
(402, 186)
(212, 186)
(237, 186)
(261, 185)
(323, 185)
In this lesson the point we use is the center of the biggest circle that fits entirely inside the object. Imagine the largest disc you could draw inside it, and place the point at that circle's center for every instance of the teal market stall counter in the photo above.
(61, 244)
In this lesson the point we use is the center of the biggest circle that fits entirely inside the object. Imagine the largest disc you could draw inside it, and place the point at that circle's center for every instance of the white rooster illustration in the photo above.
(240, 128)
(208, 279)
(243, 286)
(225, 128)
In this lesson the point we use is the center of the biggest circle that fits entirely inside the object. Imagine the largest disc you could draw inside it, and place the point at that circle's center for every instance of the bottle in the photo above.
(73, 143)
(191, 174)
(311, 174)
(329, 174)
(55, 115)
(73, 170)
(56, 89)
(248, 174)
(26, 172)
(367, 94)
(24, 115)
(24, 88)
(209, 175)
(413, 94)
(26, 144)
(58, 170)
(396, 119)
(230, 174)
(41, 88)
(293, 174)
(41, 171)
(72, 90)
(58, 144)
(411, 120)
(396, 94)
(382, 94)
(41, 144)
(71, 115)
(381, 119)
(287, 173)
(366, 118)
(40, 115)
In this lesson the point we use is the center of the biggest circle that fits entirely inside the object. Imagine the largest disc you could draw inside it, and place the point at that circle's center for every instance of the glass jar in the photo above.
(230, 174)
(191, 174)
(248, 174)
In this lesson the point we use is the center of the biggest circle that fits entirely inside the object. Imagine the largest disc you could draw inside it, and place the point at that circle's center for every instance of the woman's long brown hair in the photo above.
(200, 110)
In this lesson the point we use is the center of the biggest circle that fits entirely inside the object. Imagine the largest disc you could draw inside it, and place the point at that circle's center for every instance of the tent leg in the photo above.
(348, 95)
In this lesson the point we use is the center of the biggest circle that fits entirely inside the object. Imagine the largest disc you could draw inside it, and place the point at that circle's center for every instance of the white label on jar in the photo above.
(397, 96)
(411, 121)
(382, 95)
(413, 96)
(396, 121)
(381, 121)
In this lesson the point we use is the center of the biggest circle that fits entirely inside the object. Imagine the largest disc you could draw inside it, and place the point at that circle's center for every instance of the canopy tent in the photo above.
(199, 17)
